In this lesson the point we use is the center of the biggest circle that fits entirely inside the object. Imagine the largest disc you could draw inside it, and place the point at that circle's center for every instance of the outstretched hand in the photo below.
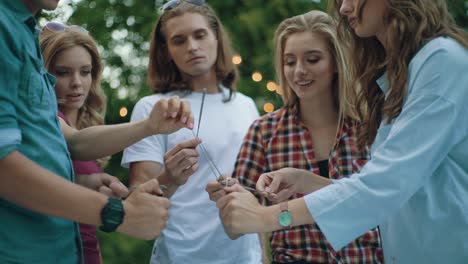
(103, 183)
(280, 185)
(170, 115)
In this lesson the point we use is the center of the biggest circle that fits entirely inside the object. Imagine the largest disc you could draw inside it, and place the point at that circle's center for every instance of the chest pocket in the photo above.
(38, 85)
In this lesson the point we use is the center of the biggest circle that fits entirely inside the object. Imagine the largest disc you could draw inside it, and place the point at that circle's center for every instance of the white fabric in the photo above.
(194, 233)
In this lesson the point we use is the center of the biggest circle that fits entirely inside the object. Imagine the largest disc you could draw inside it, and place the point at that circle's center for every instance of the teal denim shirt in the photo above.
(29, 125)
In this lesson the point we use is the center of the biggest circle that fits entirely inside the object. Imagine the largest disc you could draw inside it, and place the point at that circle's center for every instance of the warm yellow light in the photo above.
(123, 111)
(256, 76)
(236, 59)
(271, 86)
(268, 107)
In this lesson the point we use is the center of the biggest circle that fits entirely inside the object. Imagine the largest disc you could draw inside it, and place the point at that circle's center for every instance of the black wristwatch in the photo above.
(112, 215)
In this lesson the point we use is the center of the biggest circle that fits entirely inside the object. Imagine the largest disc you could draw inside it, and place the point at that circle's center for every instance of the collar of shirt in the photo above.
(382, 83)
(21, 12)
(292, 120)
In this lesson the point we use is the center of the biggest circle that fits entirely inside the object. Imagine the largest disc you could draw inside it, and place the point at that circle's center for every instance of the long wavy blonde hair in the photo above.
(322, 24)
(411, 24)
(52, 44)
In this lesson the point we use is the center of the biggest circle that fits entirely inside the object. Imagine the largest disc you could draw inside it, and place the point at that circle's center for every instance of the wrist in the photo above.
(128, 209)
(301, 187)
(285, 216)
(270, 218)
(79, 179)
(167, 186)
(148, 128)
(167, 179)
(112, 215)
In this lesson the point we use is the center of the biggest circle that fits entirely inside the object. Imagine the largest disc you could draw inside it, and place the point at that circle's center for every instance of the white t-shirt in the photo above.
(194, 233)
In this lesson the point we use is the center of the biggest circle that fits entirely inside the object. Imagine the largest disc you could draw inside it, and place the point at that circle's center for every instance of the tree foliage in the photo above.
(122, 29)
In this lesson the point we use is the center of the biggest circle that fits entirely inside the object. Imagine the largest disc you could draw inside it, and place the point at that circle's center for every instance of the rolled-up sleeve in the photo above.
(151, 148)
(409, 150)
(10, 65)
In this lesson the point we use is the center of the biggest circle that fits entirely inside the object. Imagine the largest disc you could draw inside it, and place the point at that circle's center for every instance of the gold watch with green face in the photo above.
(285, 217)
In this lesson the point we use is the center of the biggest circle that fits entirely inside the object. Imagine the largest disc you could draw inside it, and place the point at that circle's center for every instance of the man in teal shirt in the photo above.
(34, 200)
(27, 94)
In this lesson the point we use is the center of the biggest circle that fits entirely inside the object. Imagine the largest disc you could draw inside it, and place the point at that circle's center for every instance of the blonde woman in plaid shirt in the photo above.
(410, 58)
(313, 131)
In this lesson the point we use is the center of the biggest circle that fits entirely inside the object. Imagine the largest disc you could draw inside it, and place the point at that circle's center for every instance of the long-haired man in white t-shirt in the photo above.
(190, 56)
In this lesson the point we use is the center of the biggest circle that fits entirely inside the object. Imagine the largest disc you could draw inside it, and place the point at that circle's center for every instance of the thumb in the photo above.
(263, 182)
(151, 187)
(283, 195)
(275, 183)
(118, 189)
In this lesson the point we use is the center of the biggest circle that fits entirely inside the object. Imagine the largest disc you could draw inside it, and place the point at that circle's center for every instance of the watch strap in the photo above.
(284, 206)
(112, 215)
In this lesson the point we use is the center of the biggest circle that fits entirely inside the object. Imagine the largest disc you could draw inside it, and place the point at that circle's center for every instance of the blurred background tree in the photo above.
(122, 29)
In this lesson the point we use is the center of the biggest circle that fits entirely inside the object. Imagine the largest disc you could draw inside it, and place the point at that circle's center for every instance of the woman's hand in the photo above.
(170, 115)
(103, 183)
(280, 185)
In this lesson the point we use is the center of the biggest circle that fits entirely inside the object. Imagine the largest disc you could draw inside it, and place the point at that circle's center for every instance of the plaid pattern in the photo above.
(279, 140)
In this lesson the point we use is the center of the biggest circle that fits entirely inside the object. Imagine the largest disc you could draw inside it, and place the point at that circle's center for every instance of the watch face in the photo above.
(285, 219)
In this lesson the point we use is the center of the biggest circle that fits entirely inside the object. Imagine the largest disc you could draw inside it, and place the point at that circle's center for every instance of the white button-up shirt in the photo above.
(415, 187)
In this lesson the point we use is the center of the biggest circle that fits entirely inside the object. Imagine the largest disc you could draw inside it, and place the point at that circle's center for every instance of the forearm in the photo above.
(100, 141)
(264, 245)
(298, 209)
(25, 183)
(311, 182)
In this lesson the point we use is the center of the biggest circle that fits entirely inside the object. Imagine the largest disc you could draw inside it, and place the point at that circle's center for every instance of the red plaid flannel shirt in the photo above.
(278, 140)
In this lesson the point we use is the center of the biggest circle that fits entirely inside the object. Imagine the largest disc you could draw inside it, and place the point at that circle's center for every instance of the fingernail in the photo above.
(191, 125)
(165, 114)
(174, 114)
(184, 120)
(267, 189)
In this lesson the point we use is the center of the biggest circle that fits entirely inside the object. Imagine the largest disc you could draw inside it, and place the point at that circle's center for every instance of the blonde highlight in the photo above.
(322, 24)
(411, 25)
